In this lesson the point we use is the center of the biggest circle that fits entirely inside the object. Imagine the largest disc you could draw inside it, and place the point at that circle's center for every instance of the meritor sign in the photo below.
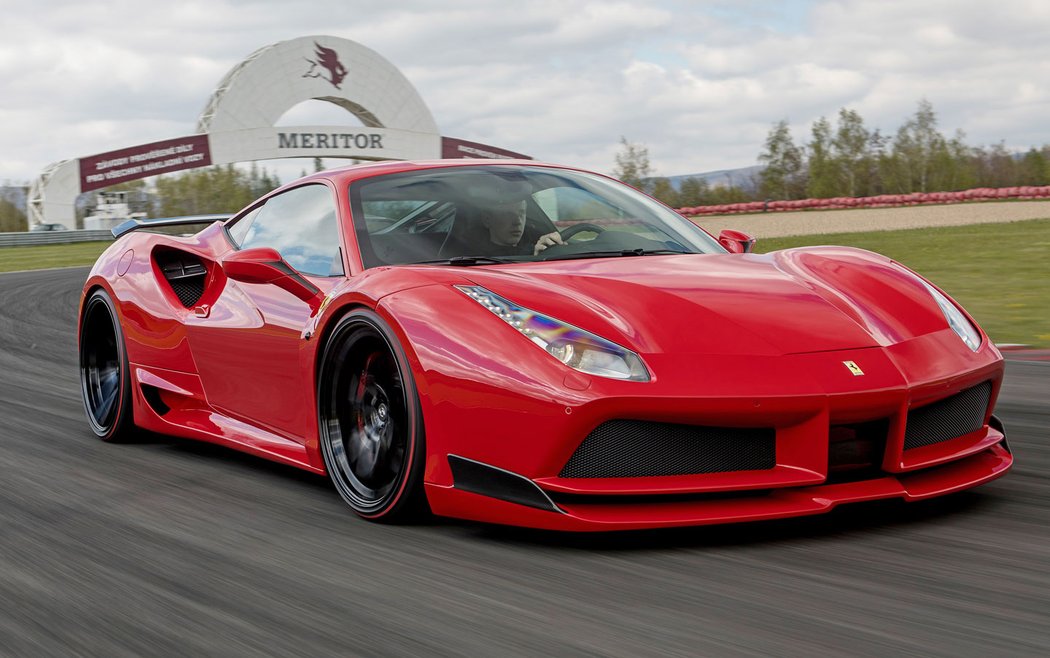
(238, 123)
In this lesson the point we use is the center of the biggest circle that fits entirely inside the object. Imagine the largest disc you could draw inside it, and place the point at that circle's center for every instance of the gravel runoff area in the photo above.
(783, 224)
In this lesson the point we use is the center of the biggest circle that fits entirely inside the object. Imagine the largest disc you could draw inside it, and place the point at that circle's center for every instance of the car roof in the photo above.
(350, 173)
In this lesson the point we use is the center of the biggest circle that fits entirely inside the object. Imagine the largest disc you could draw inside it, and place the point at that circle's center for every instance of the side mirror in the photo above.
(737, 242)
(265, 265)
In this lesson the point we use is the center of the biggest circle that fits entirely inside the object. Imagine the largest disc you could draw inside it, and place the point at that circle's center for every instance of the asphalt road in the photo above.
(171, 547)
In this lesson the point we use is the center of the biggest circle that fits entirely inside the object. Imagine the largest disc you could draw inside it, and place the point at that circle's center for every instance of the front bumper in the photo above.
(678, 511)
(522, 413)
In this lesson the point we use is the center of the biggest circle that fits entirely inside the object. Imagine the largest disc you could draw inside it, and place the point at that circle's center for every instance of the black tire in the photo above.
(105, 378)
(370, 424)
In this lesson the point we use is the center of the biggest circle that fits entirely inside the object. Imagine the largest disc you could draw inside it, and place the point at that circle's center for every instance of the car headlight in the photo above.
(962, 327)
(571, 345)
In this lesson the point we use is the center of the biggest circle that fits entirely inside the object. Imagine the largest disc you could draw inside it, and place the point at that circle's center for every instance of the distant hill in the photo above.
(742, 177)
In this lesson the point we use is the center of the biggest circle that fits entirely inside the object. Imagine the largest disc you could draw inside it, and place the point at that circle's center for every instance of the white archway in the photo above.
(237, 124)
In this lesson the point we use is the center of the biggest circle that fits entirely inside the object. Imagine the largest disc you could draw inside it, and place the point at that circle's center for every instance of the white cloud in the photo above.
(698, 82)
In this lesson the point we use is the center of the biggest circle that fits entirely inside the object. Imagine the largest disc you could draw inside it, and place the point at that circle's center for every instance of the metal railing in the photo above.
(53, 237)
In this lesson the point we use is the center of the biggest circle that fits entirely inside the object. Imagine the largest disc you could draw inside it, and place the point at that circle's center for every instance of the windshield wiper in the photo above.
(617, 253)
(464, 261)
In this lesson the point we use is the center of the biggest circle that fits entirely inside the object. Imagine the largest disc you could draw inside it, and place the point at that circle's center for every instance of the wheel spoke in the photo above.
(109, 381)
(106, 405)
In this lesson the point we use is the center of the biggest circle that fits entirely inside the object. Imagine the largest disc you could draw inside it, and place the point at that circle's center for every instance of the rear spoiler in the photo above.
(136, 224)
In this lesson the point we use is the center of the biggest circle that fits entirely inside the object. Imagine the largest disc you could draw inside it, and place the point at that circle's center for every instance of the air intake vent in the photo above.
(856, 450)
(185, 274)
(635, 448)
(949, 418)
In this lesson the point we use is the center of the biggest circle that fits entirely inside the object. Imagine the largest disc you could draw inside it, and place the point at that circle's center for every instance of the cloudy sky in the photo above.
(698, 82)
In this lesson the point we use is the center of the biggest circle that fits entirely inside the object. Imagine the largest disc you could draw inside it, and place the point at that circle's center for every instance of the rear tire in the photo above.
(369, 420)
(105, 379)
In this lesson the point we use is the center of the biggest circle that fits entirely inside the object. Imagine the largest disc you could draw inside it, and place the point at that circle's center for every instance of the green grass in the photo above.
(999, 272)
(37, 257)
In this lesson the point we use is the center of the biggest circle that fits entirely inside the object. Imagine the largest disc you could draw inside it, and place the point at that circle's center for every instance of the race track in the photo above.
(176, 548)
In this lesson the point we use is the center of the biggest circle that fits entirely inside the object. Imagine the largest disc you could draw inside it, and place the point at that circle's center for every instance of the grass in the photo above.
(38, 257)
(999, 272)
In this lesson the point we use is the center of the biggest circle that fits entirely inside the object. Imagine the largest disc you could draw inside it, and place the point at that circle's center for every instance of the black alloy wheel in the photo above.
(370, 424)
(105, 380)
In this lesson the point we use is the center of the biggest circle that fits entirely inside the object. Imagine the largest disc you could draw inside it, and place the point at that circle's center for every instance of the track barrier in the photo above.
(22, 239)
(880, 201)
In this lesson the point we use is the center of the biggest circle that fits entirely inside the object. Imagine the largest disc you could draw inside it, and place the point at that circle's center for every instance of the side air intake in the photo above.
(185, 273)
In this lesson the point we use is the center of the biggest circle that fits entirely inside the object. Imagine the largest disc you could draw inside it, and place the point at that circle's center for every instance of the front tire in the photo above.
(370, 422)
(105, 379)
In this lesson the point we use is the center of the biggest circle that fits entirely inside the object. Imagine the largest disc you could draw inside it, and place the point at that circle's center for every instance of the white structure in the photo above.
(111, 210)
(237, 125)
(241, 113)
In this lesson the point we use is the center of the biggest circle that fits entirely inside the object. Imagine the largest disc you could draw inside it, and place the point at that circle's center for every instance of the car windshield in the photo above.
(512, 213)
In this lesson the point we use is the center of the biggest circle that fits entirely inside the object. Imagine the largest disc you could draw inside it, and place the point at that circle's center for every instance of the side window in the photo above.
(301, 224)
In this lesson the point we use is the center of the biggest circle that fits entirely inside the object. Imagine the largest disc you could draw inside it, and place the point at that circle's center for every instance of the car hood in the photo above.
(791, 301)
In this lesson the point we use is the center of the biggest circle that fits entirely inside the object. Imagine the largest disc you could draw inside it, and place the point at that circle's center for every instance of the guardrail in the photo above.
(53, 237)
(882, 201)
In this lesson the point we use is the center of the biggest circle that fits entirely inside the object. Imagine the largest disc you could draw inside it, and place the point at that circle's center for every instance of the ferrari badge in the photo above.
(853, 367)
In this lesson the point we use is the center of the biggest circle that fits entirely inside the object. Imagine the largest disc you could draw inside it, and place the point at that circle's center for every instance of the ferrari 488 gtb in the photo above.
(521, 343)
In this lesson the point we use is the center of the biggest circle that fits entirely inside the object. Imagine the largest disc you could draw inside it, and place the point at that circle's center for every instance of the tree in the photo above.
(632, 164)
(850, 153)
(857, 161)
(720, 194)
(915, 147)
(876, 154)
(665, 192)
(954, 165)
(781, 177)
(261, 182)
(1035, 167)
(821, 181)
(219, 189)
(693, 191)
(11, 218)
(997, 167)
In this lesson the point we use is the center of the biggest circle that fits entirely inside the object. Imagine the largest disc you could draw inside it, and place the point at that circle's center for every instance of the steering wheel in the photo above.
(580, 228)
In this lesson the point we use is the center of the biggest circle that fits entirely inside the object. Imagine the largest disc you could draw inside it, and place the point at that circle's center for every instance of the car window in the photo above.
(239, 228)
(574, 206)
(504, 212)
(301, 225)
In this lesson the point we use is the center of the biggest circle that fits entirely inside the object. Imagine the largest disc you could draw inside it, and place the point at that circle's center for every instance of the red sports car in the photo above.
(522, 343)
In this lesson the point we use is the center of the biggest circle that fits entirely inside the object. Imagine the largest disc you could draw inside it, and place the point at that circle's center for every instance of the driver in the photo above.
(505, 225)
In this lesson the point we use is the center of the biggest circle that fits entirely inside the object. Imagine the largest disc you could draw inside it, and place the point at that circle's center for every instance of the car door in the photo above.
(248, 349)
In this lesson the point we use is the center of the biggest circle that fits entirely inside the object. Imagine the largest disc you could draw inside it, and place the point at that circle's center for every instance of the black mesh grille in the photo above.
(185, 274)
(188, 290)
(949, 418)
(635, 448)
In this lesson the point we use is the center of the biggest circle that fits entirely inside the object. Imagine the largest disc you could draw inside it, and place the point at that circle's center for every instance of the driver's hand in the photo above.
(546, 241)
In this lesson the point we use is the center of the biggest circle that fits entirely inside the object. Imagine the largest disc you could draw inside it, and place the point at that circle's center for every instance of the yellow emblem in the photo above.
(854, 368)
